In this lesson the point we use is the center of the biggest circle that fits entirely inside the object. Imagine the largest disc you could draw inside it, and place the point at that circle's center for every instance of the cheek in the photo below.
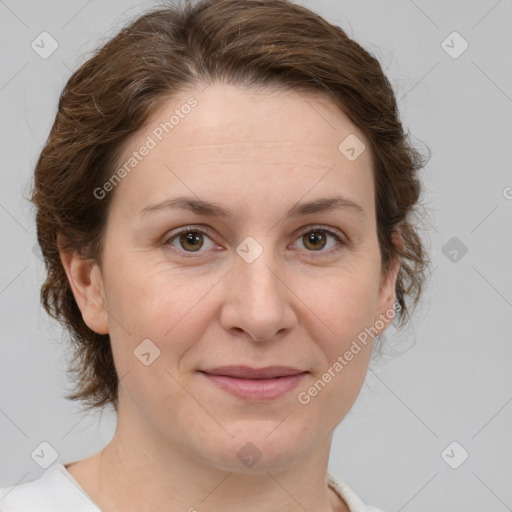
(344, 303)
(166, 305)
(162, 317)
(339, 319)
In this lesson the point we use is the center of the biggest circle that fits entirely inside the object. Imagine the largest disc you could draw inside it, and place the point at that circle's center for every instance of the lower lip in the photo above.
(257, 389)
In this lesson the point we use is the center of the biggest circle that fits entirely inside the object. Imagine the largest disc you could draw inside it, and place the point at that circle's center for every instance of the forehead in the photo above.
(233, 118)
(223, 135)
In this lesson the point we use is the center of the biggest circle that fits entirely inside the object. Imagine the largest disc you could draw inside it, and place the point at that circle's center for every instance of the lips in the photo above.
(246, 372)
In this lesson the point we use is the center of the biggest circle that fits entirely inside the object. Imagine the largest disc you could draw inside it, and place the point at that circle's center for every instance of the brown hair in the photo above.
(165, 51)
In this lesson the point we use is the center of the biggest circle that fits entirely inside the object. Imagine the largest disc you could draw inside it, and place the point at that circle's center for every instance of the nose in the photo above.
(258, 301)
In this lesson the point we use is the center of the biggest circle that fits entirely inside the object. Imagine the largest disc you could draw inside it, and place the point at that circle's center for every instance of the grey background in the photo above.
(446, 378)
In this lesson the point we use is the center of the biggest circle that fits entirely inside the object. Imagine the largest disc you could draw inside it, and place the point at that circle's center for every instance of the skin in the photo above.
(256, 152)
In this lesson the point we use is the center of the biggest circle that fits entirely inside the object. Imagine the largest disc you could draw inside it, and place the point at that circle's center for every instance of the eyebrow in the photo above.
(201, 207)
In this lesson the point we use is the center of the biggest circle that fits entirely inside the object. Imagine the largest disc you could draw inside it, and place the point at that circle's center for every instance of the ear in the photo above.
(86, 282)
(386, 311)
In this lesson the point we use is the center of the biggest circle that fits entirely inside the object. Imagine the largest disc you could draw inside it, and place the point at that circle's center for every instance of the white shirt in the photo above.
(57, 491)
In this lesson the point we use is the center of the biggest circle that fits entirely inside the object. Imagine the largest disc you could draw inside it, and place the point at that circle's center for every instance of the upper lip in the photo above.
(246, 372)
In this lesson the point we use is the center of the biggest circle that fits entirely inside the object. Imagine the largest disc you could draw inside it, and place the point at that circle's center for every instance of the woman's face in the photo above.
(256, 287)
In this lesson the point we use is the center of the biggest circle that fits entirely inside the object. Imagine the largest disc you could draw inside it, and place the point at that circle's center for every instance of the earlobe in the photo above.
(86, 282)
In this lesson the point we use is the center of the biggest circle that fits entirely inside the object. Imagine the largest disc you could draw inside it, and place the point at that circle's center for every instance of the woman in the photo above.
(223, 205)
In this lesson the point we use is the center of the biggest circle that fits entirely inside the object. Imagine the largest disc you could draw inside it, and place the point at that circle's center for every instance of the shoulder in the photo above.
(353, 501)
(54, 491)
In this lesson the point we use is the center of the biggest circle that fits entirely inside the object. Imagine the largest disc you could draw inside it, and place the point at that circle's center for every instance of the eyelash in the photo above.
(312, 229)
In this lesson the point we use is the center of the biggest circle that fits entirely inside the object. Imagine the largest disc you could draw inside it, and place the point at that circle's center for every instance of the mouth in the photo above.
(246, 372)
(255, 384)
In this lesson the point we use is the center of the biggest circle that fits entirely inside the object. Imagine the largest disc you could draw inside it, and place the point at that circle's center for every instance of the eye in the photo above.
(191, 240)
(315, 240)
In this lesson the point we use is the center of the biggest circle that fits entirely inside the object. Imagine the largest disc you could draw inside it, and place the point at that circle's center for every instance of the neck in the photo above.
(139, 471)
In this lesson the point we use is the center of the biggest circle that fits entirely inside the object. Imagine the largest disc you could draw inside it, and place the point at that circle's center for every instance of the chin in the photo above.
(257, 447)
